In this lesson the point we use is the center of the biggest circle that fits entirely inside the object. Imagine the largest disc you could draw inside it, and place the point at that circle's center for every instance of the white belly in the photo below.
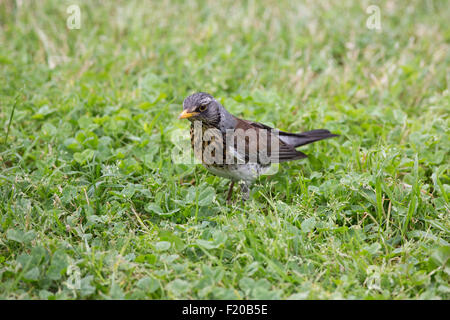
(247, 172)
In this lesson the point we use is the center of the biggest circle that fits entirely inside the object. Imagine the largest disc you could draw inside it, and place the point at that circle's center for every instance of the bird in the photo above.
(238, 149)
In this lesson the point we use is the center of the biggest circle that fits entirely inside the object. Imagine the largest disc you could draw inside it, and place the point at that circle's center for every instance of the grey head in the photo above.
(202, 106)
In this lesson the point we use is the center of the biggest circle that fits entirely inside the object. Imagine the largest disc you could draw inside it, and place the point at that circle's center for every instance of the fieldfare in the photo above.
(237, 149)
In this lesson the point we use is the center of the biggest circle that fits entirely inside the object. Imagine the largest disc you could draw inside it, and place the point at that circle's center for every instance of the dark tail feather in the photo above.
(300, 139)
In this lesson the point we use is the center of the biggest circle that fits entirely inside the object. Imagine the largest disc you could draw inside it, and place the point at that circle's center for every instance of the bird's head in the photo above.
(201, 106)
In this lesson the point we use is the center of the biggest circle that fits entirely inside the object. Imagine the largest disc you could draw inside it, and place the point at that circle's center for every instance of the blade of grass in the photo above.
(10, 119)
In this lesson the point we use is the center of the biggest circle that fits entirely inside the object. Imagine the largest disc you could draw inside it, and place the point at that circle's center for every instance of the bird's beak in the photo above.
(185, 114)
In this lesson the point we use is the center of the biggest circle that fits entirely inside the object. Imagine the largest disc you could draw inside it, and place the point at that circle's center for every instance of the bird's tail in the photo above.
(300, 139)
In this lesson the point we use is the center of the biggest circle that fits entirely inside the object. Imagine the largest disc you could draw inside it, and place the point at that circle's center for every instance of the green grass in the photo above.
(92, 207)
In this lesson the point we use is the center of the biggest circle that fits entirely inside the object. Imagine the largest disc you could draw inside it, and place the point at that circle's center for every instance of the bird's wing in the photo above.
(299, 139)
(254, 141)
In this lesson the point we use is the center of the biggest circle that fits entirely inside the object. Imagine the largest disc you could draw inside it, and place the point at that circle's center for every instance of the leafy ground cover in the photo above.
(92, 205)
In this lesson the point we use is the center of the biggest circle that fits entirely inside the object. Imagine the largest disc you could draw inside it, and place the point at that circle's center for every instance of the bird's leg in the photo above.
(245, 190)
(230, 192)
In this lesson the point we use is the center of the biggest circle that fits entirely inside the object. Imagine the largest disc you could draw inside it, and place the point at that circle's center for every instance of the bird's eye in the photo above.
(202, 108)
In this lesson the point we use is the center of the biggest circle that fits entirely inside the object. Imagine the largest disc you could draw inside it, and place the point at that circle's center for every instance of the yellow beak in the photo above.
(185, 114)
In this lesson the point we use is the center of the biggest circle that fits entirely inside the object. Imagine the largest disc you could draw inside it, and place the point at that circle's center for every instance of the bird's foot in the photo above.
(230, 192)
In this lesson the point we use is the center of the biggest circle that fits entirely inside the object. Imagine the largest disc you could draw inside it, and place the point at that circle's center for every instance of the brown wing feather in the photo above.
(283, 153)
